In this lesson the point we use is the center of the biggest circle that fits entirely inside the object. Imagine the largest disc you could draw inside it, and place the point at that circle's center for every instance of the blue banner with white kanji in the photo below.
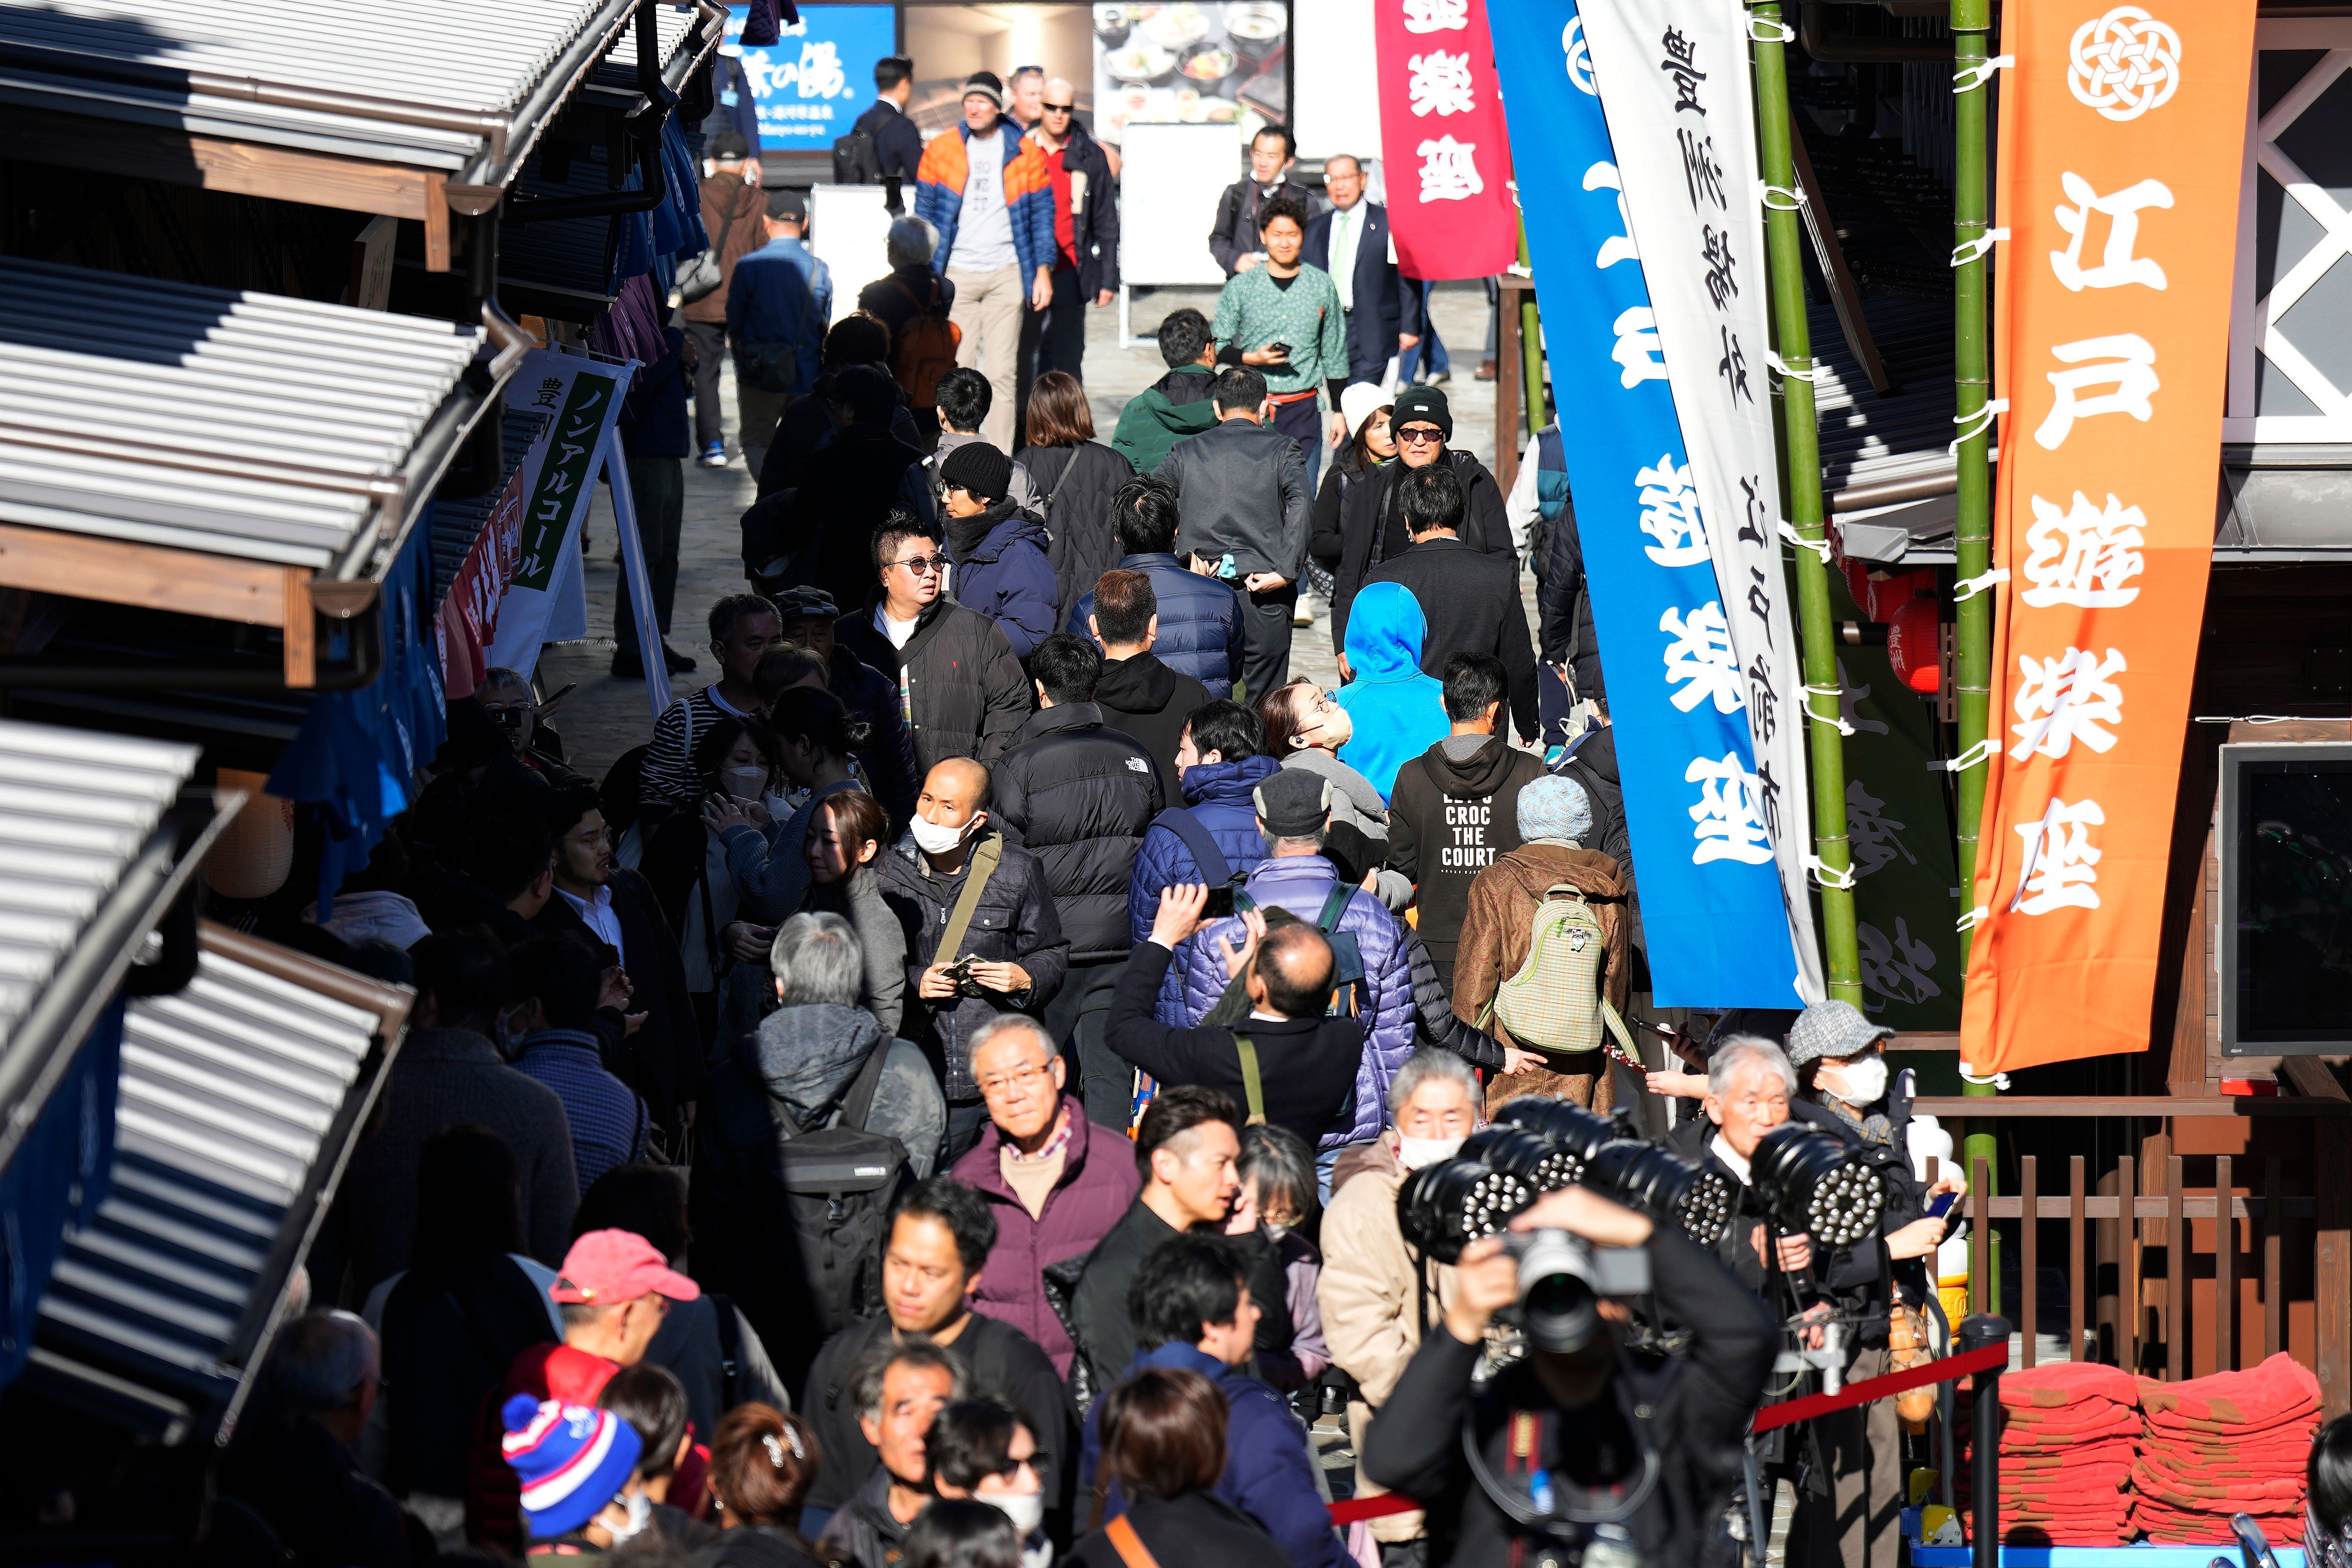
(1711, 905)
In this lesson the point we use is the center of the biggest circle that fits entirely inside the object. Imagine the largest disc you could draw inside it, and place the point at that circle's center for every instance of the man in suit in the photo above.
(1352, 243)
(661, 1056)
(1233, 240)
(898, 145)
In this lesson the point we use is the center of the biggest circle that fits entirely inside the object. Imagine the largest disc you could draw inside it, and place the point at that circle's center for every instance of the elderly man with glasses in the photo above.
(1086, 237)
(1056, 1181)
(959, 681)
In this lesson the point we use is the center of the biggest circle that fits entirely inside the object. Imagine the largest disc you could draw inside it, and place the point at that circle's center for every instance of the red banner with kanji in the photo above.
(1444, 155)
(2121, 154)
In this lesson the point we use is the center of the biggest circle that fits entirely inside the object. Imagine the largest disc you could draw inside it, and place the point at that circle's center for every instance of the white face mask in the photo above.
(641, 1514)
(1865, 1078)
(933, 839)
(1025, 1509)
(744, 784)
(1416, 1152)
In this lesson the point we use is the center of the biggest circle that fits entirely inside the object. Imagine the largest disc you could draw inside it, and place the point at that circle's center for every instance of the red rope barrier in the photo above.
(1869, 1389)
(1876, 1388)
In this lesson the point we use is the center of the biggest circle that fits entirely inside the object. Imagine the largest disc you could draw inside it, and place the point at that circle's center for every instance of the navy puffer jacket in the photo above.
(1005, 574)
(1219, 793)
(1199, 621)
(1300, 883)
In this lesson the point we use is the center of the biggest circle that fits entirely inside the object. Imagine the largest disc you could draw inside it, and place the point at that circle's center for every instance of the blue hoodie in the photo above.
(1399, 713)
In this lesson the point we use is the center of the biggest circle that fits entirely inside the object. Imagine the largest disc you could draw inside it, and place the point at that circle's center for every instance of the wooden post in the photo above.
(2225, 1267)
(1508, 437)
(2127, 1265)
(2273, 1275)
(2176, 1275)
(2331, 1284)
(2078, 1262)
(2029, 1252)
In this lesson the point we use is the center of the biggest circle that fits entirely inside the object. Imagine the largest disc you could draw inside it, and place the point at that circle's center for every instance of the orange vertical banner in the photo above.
(2121, 150)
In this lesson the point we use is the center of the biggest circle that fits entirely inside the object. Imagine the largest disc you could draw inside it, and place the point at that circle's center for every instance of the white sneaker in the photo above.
(1303, 615)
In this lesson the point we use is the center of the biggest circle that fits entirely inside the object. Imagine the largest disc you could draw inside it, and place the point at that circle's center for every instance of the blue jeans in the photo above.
(1431, 346)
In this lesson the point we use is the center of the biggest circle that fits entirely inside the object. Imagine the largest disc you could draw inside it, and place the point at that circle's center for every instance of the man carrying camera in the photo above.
(1585, 1440)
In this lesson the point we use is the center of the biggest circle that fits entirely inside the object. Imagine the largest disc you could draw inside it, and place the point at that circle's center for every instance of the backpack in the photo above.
(1554, 1003)
(926, 349)
(839, 1183)
(1347, 967)
(855, 162)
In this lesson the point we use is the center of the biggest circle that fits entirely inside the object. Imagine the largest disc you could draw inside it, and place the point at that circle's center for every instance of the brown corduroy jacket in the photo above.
(1496, 931)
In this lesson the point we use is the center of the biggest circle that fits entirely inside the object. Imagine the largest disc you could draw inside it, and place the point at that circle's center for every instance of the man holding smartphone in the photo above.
(1286, 319)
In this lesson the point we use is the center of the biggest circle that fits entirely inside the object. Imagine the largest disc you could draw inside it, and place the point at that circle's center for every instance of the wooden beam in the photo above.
(301, 625)
(2310, 1077)
(120, 573)
(242, 168)
(2331, 1281)
(1843, 296)
(437, 225)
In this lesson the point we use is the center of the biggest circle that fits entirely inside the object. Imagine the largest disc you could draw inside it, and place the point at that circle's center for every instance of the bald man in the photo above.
(1086, 238)
(1300, 1072)
(1013, 941)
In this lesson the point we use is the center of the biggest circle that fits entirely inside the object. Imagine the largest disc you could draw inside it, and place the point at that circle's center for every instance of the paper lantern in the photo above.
(1914, 645)
(251, 858)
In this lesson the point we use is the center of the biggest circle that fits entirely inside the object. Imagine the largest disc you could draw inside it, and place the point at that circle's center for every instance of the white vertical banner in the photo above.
(1675, 84)
(636, 584)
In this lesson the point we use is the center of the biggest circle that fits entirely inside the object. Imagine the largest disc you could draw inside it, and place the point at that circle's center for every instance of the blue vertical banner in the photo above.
(817, 77)
(1711, 901)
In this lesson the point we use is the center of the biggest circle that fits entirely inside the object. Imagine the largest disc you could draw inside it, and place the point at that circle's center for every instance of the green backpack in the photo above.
(1554, 1003)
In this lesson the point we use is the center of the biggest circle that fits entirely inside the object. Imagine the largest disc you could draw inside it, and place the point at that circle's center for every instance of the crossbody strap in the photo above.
(1215, 869)
(1129, 1545)
(1253, 1088)
(984, 856)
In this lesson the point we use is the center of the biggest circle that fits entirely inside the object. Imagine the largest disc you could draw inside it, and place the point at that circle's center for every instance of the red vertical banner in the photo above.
(1444, 155)
(2121, 155)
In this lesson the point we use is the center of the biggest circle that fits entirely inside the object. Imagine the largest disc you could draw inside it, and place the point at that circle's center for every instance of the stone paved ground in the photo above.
(605, 717)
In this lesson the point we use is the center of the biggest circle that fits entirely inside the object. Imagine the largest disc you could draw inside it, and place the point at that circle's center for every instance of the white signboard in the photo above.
(849, 229)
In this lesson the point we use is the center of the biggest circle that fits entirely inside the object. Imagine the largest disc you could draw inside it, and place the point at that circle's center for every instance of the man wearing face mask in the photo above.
(978, 1448)
(1375, 1312)
(982, 936)
(1840, 1066)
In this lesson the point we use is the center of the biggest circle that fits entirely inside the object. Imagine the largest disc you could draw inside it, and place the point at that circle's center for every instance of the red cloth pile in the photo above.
(2230, 1444)
(2067, 1435)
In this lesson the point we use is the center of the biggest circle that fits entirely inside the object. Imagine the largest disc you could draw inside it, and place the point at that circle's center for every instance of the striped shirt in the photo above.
(608, 1120)
(667, 771)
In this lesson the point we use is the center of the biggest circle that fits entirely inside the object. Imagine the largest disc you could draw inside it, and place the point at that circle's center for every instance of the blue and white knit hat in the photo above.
(569, 1460)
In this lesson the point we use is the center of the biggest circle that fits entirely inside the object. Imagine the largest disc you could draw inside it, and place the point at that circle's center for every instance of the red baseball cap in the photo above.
(607, 1267)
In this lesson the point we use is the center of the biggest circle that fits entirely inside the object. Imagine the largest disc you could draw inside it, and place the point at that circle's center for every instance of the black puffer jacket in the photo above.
(1366, 510)
(1075, 484)
(1014, 923)
(1564, 606)
(964, 686)
(1593, 764)
(1080, 796)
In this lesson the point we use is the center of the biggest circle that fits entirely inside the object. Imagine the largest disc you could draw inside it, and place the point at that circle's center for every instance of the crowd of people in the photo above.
(943, 1098)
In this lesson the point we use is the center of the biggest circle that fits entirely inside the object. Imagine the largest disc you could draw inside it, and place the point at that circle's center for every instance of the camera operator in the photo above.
(1848, 1510)
(1595, 1428)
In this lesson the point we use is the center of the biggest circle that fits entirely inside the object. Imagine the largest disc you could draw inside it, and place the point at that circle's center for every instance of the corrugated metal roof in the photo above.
(1868, 438)
(240, 1096)
(455, 85)
(76, 810)
(205, 419)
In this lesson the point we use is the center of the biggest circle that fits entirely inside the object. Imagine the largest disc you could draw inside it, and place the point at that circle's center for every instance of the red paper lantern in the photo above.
(1913, 645)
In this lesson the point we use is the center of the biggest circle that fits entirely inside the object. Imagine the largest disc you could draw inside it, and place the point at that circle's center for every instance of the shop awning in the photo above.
(241, 1097)
(232, 455)
(95, 843)
(378, 110)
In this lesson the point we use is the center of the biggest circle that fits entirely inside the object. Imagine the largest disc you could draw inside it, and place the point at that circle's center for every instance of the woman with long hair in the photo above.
(1077, 476)
(1371, 444)
(816, 740)
(846, 837)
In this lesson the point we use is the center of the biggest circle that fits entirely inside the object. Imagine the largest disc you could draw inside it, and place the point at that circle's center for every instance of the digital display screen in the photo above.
(2291, 967)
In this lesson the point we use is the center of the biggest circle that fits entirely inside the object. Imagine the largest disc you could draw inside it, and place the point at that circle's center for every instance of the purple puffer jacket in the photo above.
(1098, 1184)
(1300, 883)
(1223, 795)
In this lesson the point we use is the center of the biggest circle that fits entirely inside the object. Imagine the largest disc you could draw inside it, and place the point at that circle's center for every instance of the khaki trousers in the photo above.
(1859, 1524)
(988, 309)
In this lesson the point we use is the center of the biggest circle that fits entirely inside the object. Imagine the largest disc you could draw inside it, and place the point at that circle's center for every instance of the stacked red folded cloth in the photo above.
(2067, 1435)
(2230, 1444)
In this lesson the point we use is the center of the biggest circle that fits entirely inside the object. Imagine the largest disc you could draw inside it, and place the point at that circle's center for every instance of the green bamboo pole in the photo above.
(1972, 677)
(1785, 259)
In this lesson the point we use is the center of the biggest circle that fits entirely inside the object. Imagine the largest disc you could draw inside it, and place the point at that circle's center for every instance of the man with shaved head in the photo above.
(1287, 1061)
(1007, 954)
(1086, 237)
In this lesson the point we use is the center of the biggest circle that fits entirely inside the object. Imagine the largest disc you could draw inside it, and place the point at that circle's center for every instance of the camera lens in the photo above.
(1557, 1307)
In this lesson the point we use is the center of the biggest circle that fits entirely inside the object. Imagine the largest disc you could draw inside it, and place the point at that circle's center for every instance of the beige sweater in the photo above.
(1366, 1295)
